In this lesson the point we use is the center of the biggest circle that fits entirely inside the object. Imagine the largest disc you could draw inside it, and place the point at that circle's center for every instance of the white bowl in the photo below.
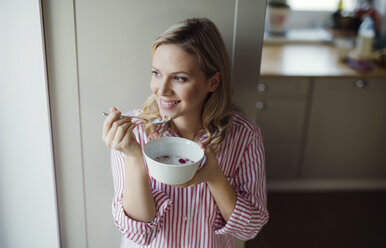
(172, 146)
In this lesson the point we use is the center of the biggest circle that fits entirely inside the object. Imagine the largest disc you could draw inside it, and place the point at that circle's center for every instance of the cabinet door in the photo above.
(281, 122)
(281, 108)
(347, 130)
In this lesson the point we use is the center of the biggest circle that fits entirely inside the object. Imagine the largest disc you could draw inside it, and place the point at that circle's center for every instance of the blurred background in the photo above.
(310, 73)
(321, 103)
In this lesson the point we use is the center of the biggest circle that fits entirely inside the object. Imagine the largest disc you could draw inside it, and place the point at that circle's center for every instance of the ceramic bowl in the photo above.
(178, 150)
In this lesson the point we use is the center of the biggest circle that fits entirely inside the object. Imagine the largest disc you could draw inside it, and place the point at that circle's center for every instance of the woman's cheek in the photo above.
(153, 87)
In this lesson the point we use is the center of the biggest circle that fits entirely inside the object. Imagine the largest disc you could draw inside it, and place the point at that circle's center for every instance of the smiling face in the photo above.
(179, 85)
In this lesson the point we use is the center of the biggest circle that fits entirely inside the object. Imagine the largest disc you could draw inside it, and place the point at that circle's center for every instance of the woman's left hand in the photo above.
(206, 173)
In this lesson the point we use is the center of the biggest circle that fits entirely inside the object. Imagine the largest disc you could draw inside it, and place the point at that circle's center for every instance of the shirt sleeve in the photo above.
(250, 213)
(142, 233)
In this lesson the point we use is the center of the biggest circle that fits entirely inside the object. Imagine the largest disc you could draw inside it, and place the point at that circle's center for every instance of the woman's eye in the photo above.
(156, 73)
(180, 79)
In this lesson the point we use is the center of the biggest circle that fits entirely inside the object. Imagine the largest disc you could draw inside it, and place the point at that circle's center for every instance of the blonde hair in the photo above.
(201, 38)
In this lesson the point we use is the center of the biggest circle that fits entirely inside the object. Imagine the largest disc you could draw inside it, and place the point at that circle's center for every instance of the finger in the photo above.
(188, 184)
(129, 134)
(192, 182)
(125, 139)
(184, 185)
(129, 143)
(113, 116)
(109, 127)
(131, 128)
(109, 138)
(200, 169)
(121, 131)
(113, 109)
(121, 121)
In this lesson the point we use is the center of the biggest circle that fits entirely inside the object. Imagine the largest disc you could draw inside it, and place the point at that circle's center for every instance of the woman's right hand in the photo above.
(118, 134)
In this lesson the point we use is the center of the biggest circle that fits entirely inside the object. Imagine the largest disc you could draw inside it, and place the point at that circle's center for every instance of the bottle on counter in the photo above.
(365, 39)
(367, 8)
(337, 16)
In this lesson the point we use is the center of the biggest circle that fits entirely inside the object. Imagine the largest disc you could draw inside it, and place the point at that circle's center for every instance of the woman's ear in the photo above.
(215, 81)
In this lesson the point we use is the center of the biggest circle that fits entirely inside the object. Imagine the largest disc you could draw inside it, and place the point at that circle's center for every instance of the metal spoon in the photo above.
(155, 122)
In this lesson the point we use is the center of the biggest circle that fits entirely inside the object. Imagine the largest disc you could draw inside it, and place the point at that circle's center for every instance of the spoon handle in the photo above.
(127, 116)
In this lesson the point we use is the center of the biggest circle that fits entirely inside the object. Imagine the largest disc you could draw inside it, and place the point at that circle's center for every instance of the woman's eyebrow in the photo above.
(177, 72)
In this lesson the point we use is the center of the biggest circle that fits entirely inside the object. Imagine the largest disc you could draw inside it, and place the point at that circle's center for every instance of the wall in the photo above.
(99, 55)
(28, 211)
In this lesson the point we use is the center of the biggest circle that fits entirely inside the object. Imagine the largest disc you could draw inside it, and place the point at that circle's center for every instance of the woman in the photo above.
(227, 196)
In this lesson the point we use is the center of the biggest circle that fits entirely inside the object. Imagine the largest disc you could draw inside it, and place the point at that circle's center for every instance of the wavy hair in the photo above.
(201, 38)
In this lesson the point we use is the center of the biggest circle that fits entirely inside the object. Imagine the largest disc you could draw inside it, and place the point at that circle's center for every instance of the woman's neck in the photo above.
(188, 128)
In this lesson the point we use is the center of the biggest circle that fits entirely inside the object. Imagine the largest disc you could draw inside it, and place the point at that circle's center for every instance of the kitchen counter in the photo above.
(307, 60)
(309, 104)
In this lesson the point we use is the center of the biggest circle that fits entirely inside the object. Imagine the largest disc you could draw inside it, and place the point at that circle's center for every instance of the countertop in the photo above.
(307, 60)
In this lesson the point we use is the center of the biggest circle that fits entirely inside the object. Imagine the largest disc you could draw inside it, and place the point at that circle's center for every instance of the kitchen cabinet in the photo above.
(281, 111)
(323, 128)
(346, 135)
(324, 124)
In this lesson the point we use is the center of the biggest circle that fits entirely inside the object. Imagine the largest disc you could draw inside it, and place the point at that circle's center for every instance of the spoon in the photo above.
(164, 119)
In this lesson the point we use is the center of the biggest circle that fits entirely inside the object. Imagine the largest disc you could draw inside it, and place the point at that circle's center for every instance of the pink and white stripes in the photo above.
(189, 217)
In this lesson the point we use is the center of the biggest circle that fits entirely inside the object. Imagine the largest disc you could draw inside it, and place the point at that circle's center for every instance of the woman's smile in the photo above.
(168, 104)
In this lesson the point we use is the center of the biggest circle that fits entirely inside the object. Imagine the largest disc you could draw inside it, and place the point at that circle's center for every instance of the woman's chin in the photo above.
(167, 113)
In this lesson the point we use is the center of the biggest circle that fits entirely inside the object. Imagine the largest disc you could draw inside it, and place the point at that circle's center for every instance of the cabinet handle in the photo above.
(262, 87)
(360, 83)
(260, 105)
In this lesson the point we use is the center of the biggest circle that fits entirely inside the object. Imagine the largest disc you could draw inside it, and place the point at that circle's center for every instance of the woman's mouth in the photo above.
(168, 104)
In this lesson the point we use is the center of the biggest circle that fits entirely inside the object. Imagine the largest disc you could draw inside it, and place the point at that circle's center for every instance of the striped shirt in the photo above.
(189, 217)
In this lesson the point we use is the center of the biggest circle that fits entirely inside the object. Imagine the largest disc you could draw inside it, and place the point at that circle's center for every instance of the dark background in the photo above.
(324, 219)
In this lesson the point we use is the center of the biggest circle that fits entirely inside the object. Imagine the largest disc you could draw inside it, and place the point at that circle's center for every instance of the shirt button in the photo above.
(184, 218)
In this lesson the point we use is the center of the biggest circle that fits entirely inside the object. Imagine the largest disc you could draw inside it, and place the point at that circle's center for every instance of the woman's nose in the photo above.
(165, 88)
